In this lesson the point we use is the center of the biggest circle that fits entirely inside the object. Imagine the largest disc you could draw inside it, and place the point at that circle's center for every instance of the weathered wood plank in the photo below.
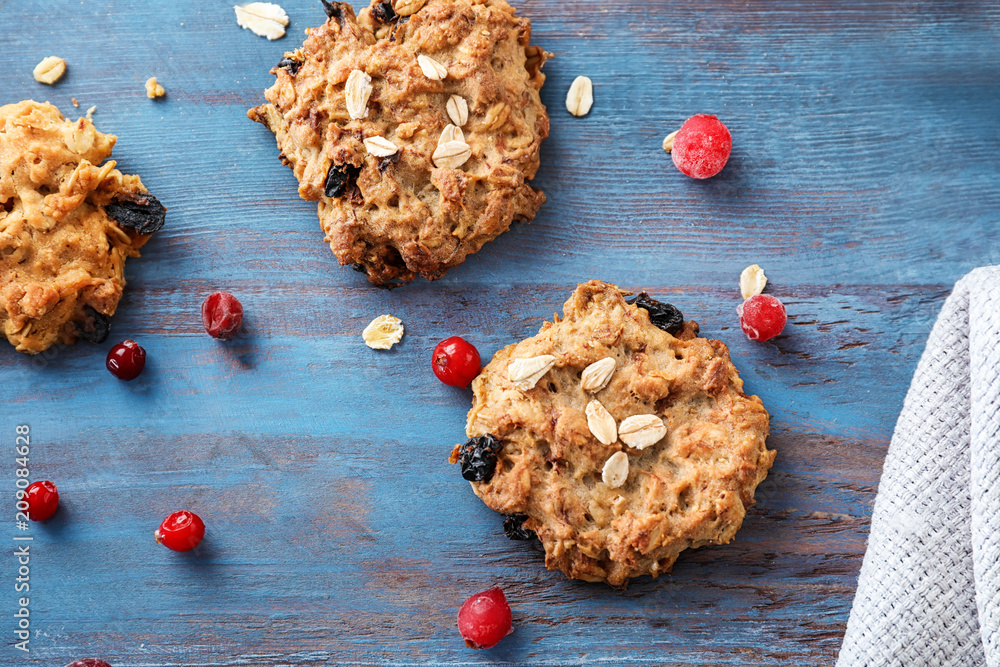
(863, 179)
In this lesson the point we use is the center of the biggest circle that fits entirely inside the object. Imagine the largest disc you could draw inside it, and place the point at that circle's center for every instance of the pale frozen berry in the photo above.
(222, 315)
(762, 317)
(701, 147)
(485, 619)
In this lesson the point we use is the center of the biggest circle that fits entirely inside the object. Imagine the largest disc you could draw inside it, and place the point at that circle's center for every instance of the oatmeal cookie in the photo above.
(686, 446)
(67, 223)
(416, 126)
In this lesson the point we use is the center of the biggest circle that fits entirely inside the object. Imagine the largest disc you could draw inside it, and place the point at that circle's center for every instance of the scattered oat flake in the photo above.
(357, 90)
(383, 332)
(458, 110)
(264, 19)
(525, 373)
(752, 281)
(431, 68)
(90, 112)
(580, 97)
(451, 154)
(641, 431)
(408, 7)
(451, 133)
(668, 141)
(615, 470)
(380, 146)
(597, 375)
(600, 422)
(154, 89)
(49, 70)
(75, 103)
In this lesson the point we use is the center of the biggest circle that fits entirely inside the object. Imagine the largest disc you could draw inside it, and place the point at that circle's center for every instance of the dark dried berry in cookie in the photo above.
(383, 12)
(334, 10)
(139, 211)
(339, 179)
(291, 64)
(513, 527)
(478, 458)
(88, 662)
(662, 315)
(386, 162)
(95, 328)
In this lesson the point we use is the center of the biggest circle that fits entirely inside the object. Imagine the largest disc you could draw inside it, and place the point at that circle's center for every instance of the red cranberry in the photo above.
(222, 315)
(456, 361)
(762, 317)
(181, 531)
(88, 662)
(126, 360)
(43, 499)
(701, 147)
(485, 619)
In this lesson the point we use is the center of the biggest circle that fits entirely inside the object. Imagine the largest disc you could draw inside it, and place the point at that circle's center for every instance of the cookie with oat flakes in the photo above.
(67, 224)
(416, 126)
(686, 447)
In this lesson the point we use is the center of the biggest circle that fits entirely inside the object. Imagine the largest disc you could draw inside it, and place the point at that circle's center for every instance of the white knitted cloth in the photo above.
(929, 590)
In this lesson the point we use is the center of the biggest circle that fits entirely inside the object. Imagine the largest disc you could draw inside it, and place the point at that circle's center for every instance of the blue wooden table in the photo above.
(864, 179)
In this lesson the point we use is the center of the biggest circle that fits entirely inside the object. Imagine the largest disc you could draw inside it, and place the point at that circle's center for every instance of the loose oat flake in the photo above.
(601, 424)
(49, 70)
(752, 281)
(596, 376)
(641, 431)
(525, 373)
(383, 332)
(357, 90)
(431, 68)
(451, 154)
(668, 141)
(264, 19)
(380, 146)
(615, 470)
(458, 110)
(451, 133)
(580, 96)
(154, 89)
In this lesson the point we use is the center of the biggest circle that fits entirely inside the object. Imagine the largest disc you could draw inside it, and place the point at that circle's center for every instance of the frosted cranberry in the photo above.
(222, 315)
(43, 499)
(181, 531)
(456, 361)
(762, 317)
(485, 619)
(701, 147)
(126, 360)
(88, 662)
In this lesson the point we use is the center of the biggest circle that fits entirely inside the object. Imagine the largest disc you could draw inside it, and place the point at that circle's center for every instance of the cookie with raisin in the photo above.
(616, 435)
(416, 126)
(68, 222)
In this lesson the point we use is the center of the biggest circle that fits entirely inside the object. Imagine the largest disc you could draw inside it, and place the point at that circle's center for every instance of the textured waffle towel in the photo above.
(929, 590)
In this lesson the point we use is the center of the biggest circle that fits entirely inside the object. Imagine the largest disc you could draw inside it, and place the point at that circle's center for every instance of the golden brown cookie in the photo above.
(67, 223)
(671, 405)
(416, 126)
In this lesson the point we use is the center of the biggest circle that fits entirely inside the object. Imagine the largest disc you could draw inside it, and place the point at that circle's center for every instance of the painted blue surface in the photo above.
(864, 180)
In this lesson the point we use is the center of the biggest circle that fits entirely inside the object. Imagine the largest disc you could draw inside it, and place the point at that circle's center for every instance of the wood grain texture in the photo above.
(863, 178)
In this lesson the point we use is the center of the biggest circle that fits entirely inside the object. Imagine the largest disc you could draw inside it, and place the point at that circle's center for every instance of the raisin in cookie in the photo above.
(67, 223)
(416, 126)
(616, 435)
